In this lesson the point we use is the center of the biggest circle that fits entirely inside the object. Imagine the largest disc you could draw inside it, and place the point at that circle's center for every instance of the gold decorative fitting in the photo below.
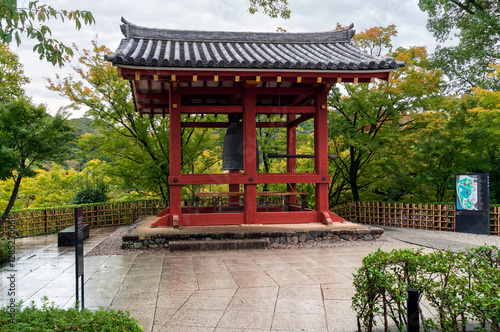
(257, 79)
(155, 78)
(355, 80)
(323, 107)
(278, 79)
(299, 79)
(172, 77)
(339, 79)
(137, 77)
(372, 80)
(195, 78)
(320, 79)
(236, 78)
(174, 105)
(216, 78)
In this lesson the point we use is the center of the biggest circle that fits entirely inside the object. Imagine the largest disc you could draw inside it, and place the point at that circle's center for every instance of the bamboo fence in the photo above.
(33, 222)
(440, 217)
(51, 220)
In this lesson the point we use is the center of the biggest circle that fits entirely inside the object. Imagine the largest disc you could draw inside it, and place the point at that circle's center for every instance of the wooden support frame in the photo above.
(250, 156)
(175, 157)
(321, 151)
(296, 97)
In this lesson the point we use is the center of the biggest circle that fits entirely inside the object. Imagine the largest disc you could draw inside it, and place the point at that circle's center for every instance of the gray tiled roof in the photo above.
(329, 50)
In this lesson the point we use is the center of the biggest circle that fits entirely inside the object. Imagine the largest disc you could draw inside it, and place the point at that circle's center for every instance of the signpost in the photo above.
(472, 193)
(79, 251)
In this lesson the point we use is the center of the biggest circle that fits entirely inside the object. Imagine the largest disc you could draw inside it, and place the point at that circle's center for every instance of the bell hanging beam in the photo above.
(288, 155)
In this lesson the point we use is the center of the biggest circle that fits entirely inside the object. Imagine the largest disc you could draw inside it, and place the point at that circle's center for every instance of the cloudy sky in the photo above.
(228, 15)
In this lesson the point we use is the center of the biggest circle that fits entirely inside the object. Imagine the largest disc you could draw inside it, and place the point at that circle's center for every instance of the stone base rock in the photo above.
(245, 240)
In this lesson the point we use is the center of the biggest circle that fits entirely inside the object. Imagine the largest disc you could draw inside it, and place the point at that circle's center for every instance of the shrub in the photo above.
(463, 288)
(52, 318)
(91, 195)
(4, 250)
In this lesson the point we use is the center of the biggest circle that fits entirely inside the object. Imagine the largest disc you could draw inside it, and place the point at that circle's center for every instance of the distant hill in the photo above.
(83, 126)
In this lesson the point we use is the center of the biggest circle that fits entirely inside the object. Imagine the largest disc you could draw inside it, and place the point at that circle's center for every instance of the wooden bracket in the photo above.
(325, 218)
(175, 221)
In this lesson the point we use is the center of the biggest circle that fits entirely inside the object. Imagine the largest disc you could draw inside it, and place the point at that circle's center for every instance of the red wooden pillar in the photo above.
(321, 151)
(249, 152)
(175, 154)
(291, 148)
(234, 188)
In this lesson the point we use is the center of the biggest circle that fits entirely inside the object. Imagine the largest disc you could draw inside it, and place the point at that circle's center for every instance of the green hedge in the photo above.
(4, 250)
(463, 289)
(54, 319)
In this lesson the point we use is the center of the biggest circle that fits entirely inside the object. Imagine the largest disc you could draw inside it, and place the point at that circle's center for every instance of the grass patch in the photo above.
(54, 319)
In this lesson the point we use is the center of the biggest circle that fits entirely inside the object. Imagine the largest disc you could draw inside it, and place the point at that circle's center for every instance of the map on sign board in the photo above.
(467, 192)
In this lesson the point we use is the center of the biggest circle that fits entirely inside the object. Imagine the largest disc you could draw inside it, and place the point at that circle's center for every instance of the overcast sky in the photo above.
(227, 15)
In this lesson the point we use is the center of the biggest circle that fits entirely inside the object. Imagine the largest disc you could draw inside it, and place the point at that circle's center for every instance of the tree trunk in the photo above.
(354, 188)
(12, 200)
(265, 158)
(353, 174)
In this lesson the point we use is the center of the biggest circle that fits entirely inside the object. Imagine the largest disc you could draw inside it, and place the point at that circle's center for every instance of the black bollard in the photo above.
(413, 317)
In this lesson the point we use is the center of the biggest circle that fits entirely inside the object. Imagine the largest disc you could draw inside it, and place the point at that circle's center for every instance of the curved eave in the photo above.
(271, 71)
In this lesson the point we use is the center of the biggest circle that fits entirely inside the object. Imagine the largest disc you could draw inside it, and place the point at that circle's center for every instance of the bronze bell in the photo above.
(232, 152)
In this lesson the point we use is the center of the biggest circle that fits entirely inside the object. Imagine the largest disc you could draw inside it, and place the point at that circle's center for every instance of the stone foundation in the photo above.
(193, 240)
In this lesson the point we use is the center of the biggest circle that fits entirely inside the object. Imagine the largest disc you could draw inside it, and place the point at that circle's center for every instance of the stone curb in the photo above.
(219, 244)
(135, 241)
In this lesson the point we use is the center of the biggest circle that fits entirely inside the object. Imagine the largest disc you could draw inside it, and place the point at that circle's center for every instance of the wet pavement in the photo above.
(241, 290)
(440, 239)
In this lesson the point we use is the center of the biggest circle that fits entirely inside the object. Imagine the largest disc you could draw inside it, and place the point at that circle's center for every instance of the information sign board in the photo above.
(472, 203)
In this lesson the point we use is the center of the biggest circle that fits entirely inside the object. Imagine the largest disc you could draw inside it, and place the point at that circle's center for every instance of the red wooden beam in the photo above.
(276, 124)
(280, 124)
(286, 109)
(285, 91)
(298, 121)
(186, 74)
(212, 219)
(187, 109)
(300, 99)
(152, 106)
(197, 179)
(238, 90)
(287, 217)
(205, 124)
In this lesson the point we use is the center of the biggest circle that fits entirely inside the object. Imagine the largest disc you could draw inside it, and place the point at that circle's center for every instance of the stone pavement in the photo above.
(242, 290)
(439, 239)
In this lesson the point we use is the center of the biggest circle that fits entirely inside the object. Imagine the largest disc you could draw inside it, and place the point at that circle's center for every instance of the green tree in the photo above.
(28, 136)
(31, 21)
(455, 134)
(476, 25)
(136, 147)
(272, 8)
(431, 155)
(367, 121)
(11, 75)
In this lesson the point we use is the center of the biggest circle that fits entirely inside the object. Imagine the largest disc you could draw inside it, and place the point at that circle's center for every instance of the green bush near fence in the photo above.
(461, 289)
(52, 318)
(32, 222)
(4, 250)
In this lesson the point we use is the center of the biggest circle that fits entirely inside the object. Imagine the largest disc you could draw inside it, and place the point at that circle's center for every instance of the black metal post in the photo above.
(413, 317)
